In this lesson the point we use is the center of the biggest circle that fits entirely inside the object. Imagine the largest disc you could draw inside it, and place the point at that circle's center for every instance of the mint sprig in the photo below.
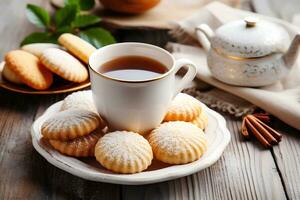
(68, 19)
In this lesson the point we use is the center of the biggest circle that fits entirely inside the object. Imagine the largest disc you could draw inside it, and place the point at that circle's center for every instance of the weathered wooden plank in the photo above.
(15, 148)
(245, 171)
(287, 156)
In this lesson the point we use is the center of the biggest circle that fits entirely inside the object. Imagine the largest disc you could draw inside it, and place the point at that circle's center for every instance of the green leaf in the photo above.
(85, 20)
(82, 4)
(98, 37)
(74, 3)
(65, 16)
(71, 2)
(38, 37)
(64, 29)
(38, 16)
(86, 4)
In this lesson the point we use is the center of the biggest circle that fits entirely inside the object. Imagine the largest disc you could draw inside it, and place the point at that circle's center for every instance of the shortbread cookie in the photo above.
(38, 48)
(183, 108)
(28, 69)
(10, 75)
(80, 100)
(71, 124)
(177, 142)
(77, 46)
(124, 152)
(79, 147)
(201, 121)
(64, 65)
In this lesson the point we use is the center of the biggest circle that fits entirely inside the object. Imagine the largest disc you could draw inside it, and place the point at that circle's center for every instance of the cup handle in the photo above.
(188, 77)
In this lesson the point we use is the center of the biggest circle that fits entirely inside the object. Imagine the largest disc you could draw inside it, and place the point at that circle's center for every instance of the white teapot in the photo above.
(249, 52)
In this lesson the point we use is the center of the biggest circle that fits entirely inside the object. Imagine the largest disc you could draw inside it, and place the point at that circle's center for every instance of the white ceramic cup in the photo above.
(136, 105)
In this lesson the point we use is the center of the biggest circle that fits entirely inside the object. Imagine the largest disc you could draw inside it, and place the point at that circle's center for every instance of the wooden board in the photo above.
(159, 17)
(246, 171)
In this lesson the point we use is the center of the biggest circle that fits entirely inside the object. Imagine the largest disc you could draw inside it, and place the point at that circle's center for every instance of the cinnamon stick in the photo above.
(262, 130)
(263, 117)
(256, 133)
(274, 133)
(244, 129)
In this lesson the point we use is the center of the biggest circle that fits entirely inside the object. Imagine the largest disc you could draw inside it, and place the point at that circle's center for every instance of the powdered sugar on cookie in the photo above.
(79, 100)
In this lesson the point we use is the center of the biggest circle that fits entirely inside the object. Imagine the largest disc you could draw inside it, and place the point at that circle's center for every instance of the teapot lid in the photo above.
(250, 38)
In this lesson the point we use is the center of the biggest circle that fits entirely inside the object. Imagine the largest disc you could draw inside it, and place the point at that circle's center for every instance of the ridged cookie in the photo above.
(201, 121)
(183, 108)
(80, 100)
(177, 142)
(38, 48)
(77, 46)
(79, 147)
(64, 65)
(71, 124)
(10, 75)
(124, 152)
(29, 69)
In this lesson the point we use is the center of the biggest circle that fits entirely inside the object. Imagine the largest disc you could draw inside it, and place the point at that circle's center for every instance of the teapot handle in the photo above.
(291, 55)
(204, 34)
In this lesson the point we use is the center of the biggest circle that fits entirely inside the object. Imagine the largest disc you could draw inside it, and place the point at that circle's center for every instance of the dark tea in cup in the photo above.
(133, 68)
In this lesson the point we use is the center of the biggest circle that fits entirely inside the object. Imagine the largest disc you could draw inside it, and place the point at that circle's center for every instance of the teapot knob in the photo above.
(251, 21)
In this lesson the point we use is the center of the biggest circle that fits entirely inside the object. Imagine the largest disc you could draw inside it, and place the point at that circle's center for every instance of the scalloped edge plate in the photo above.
(218, 138)
(55, 89)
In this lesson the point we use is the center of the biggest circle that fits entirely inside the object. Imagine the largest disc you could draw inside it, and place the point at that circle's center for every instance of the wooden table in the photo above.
(245, 171)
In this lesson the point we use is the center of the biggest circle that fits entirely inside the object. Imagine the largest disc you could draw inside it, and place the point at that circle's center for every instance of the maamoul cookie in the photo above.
(77, 46)
(80, 100)
(71, 124)
(183, 108)
(124, 152)
(28, 69)
(38, 48)
(201, 121)
(79, 147)
(64, 65)
(177, 142)
(10, 75)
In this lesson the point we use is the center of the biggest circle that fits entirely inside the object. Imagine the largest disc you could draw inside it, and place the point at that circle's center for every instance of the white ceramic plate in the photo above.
(217, 134)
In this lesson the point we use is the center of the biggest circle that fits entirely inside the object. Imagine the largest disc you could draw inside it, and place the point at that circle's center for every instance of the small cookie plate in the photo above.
(59, 86)
(87, 168)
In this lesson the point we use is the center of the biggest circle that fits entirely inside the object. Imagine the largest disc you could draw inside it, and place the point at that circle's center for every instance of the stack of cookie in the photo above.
(186, 108)
(34, 64)
(77, 130)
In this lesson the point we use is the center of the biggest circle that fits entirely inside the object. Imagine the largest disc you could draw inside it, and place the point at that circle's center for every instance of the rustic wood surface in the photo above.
(245, 171)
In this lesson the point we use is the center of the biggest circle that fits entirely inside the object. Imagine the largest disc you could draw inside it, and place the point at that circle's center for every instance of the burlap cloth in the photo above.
(281, 99)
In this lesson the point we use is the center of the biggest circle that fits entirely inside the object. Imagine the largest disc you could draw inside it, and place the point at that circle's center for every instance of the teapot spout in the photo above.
(204, 34)
(291, 55)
